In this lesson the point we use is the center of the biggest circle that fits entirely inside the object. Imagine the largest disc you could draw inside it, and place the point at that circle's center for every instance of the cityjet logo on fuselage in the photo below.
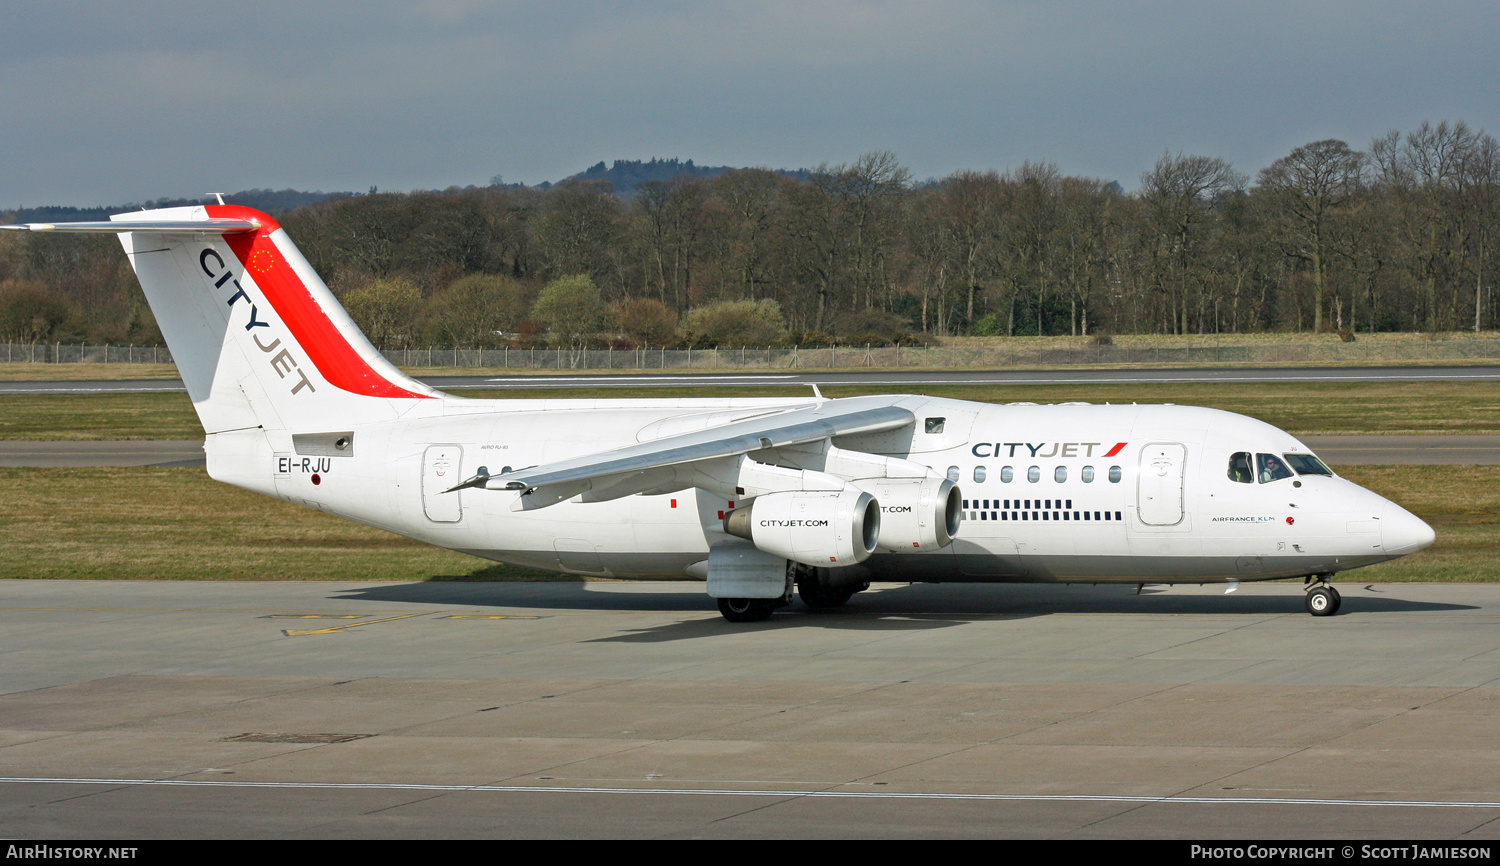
(1044, 449)
(282, 362)
(768, 523)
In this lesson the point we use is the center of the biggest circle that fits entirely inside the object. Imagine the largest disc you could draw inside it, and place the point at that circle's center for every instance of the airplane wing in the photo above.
(670, 462)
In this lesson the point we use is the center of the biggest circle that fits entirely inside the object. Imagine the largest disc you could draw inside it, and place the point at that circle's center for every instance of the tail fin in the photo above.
(258, 338)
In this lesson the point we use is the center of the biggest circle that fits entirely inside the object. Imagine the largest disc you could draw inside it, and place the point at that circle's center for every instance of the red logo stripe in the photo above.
(329, 351)
(1115, 450)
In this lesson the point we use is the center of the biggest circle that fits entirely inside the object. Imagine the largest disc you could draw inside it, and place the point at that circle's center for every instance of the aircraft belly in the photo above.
(1084, 568)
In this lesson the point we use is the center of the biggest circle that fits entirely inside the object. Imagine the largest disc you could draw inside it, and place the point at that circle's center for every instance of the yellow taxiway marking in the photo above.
(487, 616)
(314, 616)
(299, 632)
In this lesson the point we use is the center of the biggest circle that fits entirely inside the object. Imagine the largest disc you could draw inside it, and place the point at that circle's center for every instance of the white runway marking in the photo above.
(725, 792)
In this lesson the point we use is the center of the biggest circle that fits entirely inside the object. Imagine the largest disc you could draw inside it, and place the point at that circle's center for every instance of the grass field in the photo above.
(1300, 408)
(177, 524)
(12, 372)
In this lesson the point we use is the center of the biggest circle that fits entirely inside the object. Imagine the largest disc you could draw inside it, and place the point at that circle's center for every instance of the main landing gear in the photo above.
(814, 588)
(1321, 599)
(749, 609)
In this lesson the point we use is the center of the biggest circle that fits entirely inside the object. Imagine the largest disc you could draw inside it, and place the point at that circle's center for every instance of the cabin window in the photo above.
(1114, 475)
(953, 474)
(1271, 468)
(1239, 468)
(1034, 474)
(1060, 474)
(980, 473)
(933, 425)
(1306, 464)
(1087, 474)
(1007, 474)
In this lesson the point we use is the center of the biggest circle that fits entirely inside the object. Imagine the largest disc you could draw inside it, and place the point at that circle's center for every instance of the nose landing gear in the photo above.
(1321, 599)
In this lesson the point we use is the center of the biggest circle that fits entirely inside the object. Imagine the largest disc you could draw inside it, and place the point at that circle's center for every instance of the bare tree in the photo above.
(1421, 173)
(1180, 193)
(1309, 185)
(970, 211)
(751, 197)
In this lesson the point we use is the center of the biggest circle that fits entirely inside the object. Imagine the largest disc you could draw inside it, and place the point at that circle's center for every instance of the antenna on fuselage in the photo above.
(816, 392)
(217, 195)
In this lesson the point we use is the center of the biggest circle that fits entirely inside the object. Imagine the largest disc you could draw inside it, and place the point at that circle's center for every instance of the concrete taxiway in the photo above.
(633, 710)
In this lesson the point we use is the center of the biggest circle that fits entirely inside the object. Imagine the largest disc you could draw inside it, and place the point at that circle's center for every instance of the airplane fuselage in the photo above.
(1066, 493)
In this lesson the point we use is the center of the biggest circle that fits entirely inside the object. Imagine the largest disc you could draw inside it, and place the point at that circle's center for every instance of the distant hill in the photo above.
(272, 201)
(626, 174)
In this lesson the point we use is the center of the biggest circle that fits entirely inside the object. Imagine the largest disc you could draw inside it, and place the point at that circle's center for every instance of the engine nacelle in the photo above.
(916, 513)
(814, 527)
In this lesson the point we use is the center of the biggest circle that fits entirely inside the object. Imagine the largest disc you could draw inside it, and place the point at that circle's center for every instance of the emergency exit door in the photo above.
(1159, 484)
(441, 465)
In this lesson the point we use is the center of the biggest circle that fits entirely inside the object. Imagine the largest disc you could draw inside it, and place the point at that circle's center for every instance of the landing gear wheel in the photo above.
(819, 597)
(1323, 601)
(748, 609)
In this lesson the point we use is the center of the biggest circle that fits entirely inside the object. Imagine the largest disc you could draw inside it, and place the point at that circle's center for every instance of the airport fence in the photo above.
(846, 357)
(79, 353)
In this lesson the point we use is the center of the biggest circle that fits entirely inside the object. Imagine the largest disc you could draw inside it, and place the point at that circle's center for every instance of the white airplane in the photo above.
(756, 496)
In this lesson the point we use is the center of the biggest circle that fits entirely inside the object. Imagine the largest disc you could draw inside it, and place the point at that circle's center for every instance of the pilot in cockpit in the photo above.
(1271, 468)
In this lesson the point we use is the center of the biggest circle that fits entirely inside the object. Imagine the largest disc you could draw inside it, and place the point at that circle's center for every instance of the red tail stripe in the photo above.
(1115, 450)
(328, 350)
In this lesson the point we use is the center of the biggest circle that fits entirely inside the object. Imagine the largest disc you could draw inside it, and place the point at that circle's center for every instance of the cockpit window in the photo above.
(1306, 464)
(1239, 468)
(1271, 468)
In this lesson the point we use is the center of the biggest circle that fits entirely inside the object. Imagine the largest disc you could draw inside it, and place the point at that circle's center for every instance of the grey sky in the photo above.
(108, 102)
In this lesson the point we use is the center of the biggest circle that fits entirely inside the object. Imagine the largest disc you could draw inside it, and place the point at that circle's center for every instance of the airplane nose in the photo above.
(1402, 532)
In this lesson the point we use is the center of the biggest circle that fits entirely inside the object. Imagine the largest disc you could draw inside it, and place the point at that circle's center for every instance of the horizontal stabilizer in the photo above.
(164, 227)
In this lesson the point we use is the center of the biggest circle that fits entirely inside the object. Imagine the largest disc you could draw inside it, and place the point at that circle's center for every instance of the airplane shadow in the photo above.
(896, 607)
(795, 615)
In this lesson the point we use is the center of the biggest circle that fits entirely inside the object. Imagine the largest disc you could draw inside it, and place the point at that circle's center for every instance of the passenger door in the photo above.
(441, 465)
(1159, 485)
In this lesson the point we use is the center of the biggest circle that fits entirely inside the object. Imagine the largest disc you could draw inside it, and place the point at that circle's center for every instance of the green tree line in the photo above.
(1402, 235)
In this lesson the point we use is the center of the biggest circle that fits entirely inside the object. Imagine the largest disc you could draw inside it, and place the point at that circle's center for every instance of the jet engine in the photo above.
(916, 513)
(815, 527)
